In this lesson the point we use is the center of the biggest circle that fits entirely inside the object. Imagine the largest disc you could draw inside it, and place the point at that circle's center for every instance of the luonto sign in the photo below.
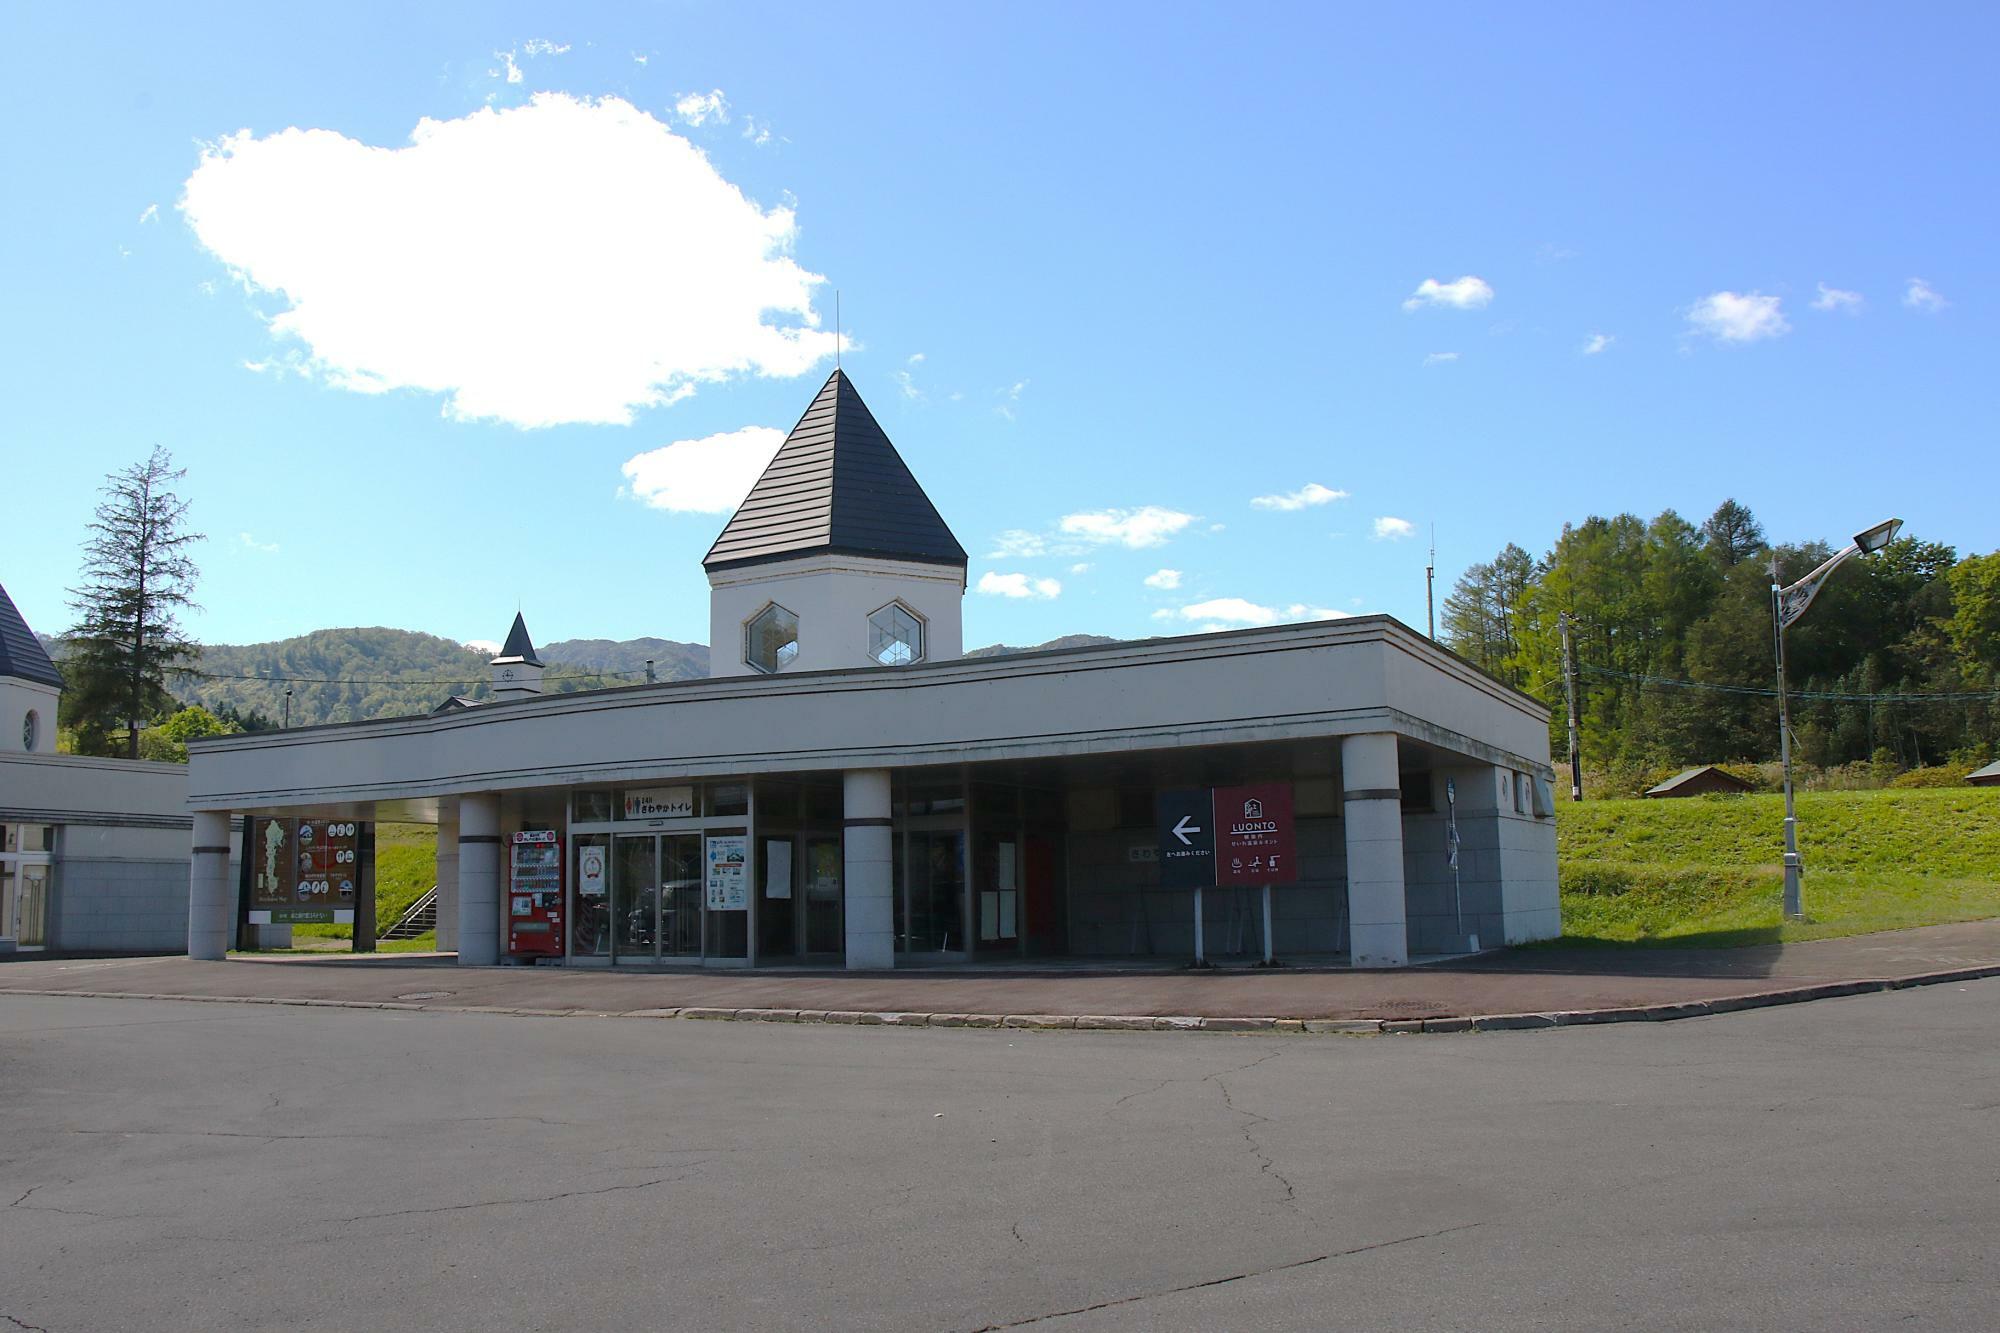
(1254, 841)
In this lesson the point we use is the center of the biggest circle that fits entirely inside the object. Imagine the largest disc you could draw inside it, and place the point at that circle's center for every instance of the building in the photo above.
(93, 852)
(1988, 776)
(848, 789)
(1700, 781)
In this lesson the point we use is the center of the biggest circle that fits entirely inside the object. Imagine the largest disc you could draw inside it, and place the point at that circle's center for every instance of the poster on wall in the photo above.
(1255, 843)
(304, 871)
(590, 872)
(728, 877)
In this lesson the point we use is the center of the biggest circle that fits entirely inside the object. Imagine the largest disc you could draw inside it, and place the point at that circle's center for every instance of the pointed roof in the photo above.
(21, 653)
(838, 485)
(519, 647)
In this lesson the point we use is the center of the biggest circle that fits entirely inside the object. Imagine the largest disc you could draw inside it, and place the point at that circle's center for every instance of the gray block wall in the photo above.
(119, 904)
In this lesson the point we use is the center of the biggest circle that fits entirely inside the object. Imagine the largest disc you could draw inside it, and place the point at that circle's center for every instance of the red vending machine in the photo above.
(534, 895)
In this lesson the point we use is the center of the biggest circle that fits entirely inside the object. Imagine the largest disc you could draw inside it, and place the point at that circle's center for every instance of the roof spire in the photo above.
(519, 647)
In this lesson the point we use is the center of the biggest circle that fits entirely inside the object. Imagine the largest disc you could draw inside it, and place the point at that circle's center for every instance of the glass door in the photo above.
(931, 900)
(680, 896)
(635, 898)
(823, 926)
(31, 926)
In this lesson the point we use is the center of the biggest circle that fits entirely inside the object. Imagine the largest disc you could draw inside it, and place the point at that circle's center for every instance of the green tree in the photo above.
(1733, 534)
(137, 579)
(167, 740)
(1974, 626)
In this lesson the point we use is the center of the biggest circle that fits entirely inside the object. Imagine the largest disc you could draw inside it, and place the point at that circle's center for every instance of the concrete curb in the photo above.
(1651, 1013)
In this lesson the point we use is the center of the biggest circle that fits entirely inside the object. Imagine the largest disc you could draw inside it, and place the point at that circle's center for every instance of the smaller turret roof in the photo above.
(519, 647)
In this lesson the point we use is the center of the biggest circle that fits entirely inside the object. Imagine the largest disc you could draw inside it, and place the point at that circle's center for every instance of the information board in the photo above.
(304, 871)
(1255, 842)
(1186, 820)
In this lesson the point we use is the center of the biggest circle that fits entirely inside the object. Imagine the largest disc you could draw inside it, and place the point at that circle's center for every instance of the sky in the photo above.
(1186, 317)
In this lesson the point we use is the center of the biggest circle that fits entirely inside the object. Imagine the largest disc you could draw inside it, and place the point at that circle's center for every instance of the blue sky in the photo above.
(1111, 274)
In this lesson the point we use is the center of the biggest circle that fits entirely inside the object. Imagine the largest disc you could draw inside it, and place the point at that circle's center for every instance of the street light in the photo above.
(1787, 605)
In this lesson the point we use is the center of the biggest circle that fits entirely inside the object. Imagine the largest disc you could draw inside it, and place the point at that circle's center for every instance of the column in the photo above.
(447, 874)
(868, 870)
(211, 904)
(478, 880)
(1372, 810)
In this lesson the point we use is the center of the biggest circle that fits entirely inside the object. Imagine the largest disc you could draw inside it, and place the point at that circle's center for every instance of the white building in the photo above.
(93, 852)
(897, 802)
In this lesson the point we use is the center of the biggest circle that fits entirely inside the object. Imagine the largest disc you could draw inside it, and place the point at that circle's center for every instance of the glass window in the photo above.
(895, 636)
(728, 798)
(592, 807)
(771, 639)
(1417, 792)
(31, 727)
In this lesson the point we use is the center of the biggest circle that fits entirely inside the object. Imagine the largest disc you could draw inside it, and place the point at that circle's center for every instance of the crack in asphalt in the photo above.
(1224, 1281)
(502, 1203)
(21, 1323)
(218, 1134)
(1205, 1078)
(1266, 1164)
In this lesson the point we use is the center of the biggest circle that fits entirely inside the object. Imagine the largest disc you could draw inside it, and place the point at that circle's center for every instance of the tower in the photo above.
(836, 559)
(517, 671)
(30, 686)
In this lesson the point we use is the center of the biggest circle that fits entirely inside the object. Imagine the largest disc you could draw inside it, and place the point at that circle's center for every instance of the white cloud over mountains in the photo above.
(1466, 293)
(1312, 493)
(706, 476)
(1738, 318)
(567, 260)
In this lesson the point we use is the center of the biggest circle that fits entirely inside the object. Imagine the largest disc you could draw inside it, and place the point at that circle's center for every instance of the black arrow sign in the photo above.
(1186, 820)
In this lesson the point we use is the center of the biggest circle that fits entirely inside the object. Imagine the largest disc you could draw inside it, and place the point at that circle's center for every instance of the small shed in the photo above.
(1988, 776)
(1699, 782)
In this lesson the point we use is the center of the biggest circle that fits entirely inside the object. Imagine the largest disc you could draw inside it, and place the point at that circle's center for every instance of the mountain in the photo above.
(671, 660)
(1066, 641)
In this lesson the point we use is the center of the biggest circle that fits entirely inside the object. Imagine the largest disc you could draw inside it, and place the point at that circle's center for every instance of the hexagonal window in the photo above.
(895, 636)
(771, 639)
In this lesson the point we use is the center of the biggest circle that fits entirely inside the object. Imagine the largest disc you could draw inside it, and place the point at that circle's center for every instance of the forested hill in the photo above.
(1896, 663)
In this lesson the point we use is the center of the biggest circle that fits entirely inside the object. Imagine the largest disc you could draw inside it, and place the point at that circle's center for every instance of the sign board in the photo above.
(590, 872)
(1255, 842)
(1186, 825)
(659, 802)
(728, 873)
(304, 871)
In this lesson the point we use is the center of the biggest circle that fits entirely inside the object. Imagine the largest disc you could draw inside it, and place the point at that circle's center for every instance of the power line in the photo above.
(198, 673)
(1829, 696)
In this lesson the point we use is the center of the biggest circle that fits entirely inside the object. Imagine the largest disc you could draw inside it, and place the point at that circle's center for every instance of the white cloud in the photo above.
(1017, 585)
(265, 548)
(542, 46)
(1466, 293)
(1018, 544)
(698, 109)
(907, 384)
(487, 646)
(1150, 525)
(1312, 493)
(1225, 611)
(916, 358)
(1083, 567)
(152, 214)
(638, 59)
(1920, 295)
(1833, 298)
(566, 260)
(1164, 579)
(1389, 529)
(1597, 342)
(1012, 395)
(1732, 318)
(757, 132)
(1440, 358)
(706, 476)
(511, 70)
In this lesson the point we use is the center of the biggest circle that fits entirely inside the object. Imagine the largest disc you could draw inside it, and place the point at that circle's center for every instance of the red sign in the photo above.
(1254, 843)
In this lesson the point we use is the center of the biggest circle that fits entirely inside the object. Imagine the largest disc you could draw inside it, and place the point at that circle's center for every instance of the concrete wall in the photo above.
(17, 699)
(833, 596)
(120, 867)
(1292, 682)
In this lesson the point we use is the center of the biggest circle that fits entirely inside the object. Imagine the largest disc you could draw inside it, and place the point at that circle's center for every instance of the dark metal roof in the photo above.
(836, 484)
(21, 653)
(1696, 777)
(519, 647)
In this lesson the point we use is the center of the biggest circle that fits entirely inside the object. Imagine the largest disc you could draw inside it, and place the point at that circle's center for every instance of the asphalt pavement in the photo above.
(174, 1165)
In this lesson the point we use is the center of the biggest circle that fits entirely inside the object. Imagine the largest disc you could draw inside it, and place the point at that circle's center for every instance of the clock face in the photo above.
(507, 673)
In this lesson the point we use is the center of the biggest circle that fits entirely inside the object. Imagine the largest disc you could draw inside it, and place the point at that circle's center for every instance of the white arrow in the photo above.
(1182, 829)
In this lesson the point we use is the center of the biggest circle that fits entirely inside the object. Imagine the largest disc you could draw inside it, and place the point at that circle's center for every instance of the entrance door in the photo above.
(635, 898)
(930, 906)
(680, 896)
(823, 926)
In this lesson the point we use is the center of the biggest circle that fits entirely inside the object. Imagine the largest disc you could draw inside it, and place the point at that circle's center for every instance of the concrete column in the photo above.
(478, 880)
(211, 903)
(1372, 810)
(447, 875)
(869, 870)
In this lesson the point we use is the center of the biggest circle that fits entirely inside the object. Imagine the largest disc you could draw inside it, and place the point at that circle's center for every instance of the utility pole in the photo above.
(1430, 579)
(1569, 694)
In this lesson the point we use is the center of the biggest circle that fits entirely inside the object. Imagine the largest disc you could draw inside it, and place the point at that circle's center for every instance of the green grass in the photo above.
(1708, 870)
(405, 867)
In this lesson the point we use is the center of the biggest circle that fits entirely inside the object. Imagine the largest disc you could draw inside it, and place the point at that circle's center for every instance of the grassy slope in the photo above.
(1707, 870)
(405, 866)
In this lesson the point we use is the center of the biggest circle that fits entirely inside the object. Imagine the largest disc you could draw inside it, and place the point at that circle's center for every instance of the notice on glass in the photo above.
(728, 873)
(590, 872)
(778, 869)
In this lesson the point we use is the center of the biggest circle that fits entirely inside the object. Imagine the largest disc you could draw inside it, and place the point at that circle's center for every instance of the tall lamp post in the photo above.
(1787, 605)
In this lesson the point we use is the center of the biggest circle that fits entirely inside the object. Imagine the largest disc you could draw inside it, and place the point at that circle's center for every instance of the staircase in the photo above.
(422, 916)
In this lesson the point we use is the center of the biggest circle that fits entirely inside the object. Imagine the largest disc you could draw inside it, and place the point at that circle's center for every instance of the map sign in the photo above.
(304, 870)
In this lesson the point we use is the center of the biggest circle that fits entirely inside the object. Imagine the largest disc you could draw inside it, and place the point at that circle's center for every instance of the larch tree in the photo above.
(137, 579)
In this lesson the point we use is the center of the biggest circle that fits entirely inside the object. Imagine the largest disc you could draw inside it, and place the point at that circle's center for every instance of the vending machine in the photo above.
(534, 895)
